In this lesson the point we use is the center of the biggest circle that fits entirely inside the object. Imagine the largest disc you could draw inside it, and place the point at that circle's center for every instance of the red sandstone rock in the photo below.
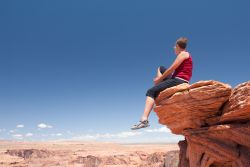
(183, 161)
(238, 106)
(214, 120)
(190, 106)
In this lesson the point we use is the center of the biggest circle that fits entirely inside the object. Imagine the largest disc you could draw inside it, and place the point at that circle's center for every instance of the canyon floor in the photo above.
(86, 154)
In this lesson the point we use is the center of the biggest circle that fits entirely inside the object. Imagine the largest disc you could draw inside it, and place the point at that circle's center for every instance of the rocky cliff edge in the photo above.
(215, 120)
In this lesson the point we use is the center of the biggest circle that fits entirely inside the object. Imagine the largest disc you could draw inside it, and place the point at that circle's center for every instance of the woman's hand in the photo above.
(157, 80)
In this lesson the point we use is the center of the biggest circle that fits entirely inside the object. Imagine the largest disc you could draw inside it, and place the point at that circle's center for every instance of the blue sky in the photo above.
(80, 69)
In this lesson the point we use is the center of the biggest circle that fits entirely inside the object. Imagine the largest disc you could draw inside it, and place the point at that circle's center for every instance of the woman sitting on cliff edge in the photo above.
(182, 68)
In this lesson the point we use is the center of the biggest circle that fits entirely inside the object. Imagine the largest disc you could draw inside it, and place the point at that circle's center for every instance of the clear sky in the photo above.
(81, 69)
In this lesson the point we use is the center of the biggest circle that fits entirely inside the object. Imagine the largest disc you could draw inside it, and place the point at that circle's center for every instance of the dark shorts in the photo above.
(168, 82)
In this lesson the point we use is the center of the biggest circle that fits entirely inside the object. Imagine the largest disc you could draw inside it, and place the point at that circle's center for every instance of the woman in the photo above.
(182, 68)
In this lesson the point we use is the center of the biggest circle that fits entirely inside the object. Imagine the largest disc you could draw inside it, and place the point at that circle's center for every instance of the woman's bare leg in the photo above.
(149, 104)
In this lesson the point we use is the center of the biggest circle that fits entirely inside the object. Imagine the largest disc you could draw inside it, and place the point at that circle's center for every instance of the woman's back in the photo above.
(184, 70)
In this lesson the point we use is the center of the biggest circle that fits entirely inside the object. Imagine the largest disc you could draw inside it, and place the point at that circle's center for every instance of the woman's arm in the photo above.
(179, 59)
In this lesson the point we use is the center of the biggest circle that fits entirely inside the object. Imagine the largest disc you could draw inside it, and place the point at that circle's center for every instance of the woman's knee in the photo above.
(161, 69)
(150, 93)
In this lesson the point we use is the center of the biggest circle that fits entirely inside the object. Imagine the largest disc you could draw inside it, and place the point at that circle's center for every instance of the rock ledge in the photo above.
(215, 120)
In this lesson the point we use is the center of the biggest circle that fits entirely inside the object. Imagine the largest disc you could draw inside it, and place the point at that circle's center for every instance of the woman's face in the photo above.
(177, 49)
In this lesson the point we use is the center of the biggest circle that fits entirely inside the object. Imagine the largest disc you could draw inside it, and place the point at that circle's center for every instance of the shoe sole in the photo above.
(139, 128)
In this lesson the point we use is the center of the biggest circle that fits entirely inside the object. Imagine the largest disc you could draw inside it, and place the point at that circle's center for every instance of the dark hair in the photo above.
(182, 42)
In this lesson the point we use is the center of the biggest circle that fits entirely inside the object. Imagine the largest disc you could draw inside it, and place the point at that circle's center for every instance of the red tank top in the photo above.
(184, 70)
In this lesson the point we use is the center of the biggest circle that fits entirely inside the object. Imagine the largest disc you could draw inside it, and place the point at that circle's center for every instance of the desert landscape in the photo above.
(86, 154)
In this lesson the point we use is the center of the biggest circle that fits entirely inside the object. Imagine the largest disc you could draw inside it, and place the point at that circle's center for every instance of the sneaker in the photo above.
(141, 124)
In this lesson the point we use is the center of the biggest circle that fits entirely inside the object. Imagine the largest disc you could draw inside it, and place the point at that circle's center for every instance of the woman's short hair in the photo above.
(182, 42)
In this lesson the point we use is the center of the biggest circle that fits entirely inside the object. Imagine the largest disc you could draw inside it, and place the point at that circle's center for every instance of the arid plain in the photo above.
(85, 154)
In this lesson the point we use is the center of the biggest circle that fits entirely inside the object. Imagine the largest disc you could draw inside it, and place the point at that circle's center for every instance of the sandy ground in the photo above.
(75, 153)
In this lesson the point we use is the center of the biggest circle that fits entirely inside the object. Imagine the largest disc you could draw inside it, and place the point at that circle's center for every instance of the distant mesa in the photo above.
(215, 120)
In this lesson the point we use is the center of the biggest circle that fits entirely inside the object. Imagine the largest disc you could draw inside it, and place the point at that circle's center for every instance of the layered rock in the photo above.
(215, 120)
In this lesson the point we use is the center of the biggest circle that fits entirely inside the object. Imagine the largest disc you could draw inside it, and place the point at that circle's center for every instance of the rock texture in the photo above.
(215, 120)
(171, 159)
